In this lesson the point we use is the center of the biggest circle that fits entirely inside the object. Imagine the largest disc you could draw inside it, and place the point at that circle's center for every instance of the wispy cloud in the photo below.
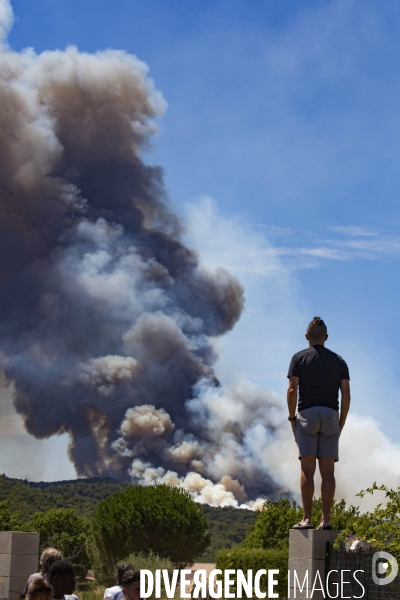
(355, 231)
(320, 252)
(273, 247)
(351, 242)
(384, 245)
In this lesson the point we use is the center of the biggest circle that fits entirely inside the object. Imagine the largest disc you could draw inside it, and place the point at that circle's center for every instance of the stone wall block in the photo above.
(309, 543)
(25, 543)
(5, 565)
(307, 553)
(4, 585)
(303, 566)
(5, 542)
(320, 539)
(23, 564)
(16, 587)
(18, 559)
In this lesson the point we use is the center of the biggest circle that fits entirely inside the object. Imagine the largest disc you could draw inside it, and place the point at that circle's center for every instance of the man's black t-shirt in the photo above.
(320, 372)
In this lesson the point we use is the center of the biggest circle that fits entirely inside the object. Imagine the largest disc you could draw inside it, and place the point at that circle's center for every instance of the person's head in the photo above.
(40, 589)
(62, 578)
(130, 583)
(121, 568)
(47, 558)
(317, 332)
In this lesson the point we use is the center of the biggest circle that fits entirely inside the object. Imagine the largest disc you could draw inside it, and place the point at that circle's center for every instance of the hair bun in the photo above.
(317, 328)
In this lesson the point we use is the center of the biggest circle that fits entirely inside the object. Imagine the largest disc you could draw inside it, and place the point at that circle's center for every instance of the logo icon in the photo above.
(379, 568)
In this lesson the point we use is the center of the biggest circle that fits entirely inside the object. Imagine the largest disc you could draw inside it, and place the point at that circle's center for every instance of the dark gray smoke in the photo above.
(106, 318)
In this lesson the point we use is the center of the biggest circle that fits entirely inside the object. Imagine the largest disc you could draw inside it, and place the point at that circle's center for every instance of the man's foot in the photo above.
(303, 525)
(324, 526)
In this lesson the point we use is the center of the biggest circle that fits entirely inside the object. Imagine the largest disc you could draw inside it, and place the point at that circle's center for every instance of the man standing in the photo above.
(318, 374)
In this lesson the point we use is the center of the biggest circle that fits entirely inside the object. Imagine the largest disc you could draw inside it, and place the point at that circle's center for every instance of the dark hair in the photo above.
(39, 587)
(317, 329)
(130, 576)
(121, 568)
(59, 568)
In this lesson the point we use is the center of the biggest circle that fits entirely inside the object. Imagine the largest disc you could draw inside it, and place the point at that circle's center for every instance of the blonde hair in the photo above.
(317, 329)
(47, 558)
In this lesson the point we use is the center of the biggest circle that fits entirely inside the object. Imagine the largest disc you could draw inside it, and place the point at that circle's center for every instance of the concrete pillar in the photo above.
(18, 559)
(307, 553)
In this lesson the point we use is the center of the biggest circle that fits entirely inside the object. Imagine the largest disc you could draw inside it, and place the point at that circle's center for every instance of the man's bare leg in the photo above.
(327, 470)
(308, 464)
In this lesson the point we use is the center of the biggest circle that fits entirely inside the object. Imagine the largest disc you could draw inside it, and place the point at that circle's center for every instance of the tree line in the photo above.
(165, 522)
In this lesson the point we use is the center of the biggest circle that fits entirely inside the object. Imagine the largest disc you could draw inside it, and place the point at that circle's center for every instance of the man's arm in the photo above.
(345, 401)
(292, 397)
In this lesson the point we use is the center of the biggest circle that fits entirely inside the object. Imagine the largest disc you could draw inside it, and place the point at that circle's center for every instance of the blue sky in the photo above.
(286, 117)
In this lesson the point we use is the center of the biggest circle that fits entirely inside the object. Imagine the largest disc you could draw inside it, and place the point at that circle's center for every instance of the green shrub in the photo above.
(9, 521)
(63, 529)
(381, 527)
(94, 593)
(151, 562)
(104, 568)
(341, 516)
(273, 523)
(256, 559)
(159, 518)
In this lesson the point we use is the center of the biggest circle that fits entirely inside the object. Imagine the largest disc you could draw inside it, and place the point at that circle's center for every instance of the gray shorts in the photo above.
(317, 432)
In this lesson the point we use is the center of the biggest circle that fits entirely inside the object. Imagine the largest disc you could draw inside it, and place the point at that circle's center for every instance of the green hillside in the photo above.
(81, 494)
(227, 526)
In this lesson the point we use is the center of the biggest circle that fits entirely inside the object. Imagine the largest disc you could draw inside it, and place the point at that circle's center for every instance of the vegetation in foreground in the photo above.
(227, 526)
(159, 518)
(238, 538)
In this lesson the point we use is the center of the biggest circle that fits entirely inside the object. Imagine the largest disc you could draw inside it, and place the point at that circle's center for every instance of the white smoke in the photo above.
(275, 311)
(220, 453)
(6, 19)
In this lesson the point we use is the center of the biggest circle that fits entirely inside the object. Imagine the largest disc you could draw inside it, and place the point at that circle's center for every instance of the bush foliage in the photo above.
(9, 521)
(63, 529)
(159, 518)
(59, 528)
(227, 526)
(272, 526)
(256, 559)
(381, 527)
(151, 562)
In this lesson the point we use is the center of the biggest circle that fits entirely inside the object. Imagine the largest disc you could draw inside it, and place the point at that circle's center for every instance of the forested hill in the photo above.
(227, 526)
(28, 497)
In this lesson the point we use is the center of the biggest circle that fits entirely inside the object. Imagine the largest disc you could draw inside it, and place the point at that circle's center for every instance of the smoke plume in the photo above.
(107, 320)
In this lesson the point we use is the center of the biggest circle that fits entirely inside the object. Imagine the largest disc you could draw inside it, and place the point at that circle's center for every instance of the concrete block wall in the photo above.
(19, 552)
(307, 550)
